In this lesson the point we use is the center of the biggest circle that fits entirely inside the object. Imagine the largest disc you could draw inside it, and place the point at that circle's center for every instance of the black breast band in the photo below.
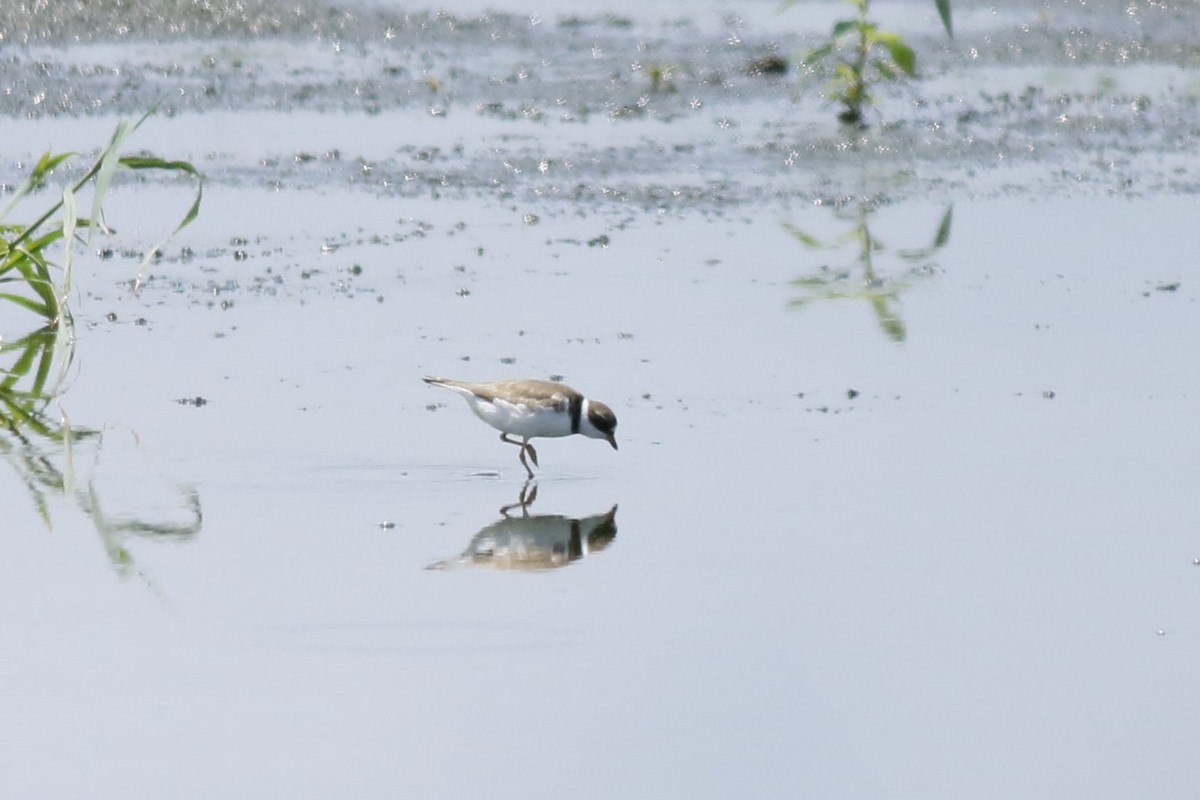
(576, 412)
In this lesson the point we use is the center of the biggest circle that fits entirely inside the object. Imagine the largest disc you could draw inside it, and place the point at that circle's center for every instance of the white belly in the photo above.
(521, 420)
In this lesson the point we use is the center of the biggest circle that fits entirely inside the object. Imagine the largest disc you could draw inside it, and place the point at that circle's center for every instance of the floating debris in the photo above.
(773, 64)
(195, 402)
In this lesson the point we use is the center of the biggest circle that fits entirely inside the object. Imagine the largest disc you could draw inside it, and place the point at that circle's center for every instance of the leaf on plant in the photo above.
(885, 69)
(943, 231)
(138, 162)
(109, 159)
(842, 27)
(179, 166)
(943, 7)
(38, 308)
(903, 56)
(36, 176)
(70, 221)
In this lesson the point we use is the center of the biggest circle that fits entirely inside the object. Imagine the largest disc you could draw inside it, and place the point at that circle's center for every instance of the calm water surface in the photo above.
(901, 507)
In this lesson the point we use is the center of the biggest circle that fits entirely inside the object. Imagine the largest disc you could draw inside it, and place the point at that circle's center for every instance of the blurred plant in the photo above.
(883, 293)
(864, 55)
(661, 75)
(26, 274)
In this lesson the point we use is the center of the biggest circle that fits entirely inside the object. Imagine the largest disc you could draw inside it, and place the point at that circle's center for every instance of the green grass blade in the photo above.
(43, 369)
(21, 366)
(842, 27)
(36, 177)
(23, 255)
(943, 231)
(105, 168)
(35, 274)
(40, 309)
(943, 7)
(903, 56)
(138, 163)
(70, 221)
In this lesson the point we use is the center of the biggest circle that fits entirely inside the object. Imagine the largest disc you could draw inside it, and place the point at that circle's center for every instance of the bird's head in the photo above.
(600, 423)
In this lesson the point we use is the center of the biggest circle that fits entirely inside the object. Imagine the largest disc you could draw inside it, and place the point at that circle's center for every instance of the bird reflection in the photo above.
(535, 541)
(524, 500)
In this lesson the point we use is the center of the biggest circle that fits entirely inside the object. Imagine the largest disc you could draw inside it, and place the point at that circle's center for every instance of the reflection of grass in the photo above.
(23, 419)
(867, 283)
(42, 451)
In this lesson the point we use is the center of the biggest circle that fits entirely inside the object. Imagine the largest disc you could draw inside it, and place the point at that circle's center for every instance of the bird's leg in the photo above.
(524, 463)
(532, 453)
(524, 445)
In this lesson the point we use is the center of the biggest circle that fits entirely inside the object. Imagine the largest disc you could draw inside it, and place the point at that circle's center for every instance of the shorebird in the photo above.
(529, 408)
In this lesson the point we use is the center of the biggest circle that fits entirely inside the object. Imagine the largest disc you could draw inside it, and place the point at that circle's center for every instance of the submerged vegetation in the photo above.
(862, 55)
(38, 445)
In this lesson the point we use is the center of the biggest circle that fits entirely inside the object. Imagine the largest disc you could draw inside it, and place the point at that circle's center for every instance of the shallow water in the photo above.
(912, 527)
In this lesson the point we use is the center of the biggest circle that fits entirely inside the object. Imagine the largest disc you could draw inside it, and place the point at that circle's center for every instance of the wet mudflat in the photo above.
(910, 520)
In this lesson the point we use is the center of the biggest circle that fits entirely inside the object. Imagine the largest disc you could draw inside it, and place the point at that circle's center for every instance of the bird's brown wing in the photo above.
(536, 392)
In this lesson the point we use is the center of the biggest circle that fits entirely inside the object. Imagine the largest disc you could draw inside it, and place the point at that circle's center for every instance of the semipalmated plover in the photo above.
(530, 408)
